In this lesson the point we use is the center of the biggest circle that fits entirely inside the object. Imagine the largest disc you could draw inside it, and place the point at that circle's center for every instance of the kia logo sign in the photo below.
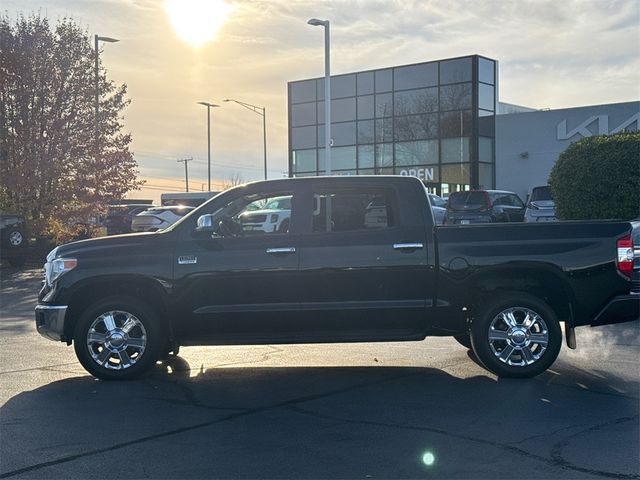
(603, 126)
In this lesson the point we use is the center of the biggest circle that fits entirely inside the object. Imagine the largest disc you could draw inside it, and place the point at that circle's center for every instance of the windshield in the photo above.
(541, 194)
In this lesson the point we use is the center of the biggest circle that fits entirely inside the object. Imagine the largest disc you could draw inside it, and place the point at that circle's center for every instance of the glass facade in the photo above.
(433, 120)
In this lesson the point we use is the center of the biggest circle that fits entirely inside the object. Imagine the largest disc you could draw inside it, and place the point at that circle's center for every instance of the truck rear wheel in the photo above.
(516, 335)
(118, 339)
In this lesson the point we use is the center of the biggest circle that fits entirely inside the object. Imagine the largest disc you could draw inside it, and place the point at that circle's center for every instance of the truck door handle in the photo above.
(407, 246)
(281, 250)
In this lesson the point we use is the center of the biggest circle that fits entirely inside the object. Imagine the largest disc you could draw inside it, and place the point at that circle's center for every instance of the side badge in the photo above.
(187, 260)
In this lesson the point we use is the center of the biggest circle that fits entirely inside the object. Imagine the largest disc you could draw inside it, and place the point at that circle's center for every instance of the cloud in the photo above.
(552, 54)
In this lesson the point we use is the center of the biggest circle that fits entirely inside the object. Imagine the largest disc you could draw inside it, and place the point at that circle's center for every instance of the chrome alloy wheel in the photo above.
(518, 336)
(116, 340)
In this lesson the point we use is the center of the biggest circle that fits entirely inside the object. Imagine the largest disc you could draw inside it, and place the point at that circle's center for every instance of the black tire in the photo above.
(147, 330)
(464, 339)
(518, 354)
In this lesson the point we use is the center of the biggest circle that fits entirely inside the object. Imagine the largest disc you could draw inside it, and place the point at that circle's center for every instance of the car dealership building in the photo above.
(440, 121)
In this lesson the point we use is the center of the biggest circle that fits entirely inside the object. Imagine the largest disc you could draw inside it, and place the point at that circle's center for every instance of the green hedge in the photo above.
(598, 178)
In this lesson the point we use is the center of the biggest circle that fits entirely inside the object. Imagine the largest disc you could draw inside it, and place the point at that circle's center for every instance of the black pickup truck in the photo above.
(359, 261)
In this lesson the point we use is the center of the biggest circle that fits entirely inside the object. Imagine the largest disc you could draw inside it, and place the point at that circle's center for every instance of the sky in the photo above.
(174, 53)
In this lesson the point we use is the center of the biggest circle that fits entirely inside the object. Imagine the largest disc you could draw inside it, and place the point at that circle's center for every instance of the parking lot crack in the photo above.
(189, 428)
(556, 459)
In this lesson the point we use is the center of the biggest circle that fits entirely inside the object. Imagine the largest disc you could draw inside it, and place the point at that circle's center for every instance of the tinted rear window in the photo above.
(541, 193)
(460, 200)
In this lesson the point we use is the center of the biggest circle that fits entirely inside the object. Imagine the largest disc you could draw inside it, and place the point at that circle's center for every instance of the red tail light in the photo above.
(625, 255)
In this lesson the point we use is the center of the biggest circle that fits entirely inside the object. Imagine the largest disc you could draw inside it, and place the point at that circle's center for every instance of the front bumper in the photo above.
(623, 308)
(50, 321)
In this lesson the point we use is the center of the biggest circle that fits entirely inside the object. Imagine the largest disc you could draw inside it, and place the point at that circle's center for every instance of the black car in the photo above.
(14, 239)
(119, 217)
(483, 206)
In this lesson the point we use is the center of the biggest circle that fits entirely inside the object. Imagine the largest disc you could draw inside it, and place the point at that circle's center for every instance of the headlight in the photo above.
(54, 269)
(274, 218)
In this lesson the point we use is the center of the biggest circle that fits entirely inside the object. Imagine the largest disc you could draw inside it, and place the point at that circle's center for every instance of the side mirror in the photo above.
(205, 223)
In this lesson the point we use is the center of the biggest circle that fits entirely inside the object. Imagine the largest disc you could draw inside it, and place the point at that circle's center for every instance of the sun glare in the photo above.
(197, 21)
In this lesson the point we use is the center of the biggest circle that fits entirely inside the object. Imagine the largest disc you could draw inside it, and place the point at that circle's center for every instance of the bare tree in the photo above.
(234, 180)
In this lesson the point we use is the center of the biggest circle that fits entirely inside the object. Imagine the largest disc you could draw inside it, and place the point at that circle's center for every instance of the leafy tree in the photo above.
(598, 178)
(55, 169)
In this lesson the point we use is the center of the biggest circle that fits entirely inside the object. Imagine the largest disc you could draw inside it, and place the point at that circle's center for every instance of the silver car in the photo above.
(540, 206)
(438, 207)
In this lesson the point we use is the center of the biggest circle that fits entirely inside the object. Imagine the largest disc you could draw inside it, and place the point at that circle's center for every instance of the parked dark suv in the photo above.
(119, 217)
(14, 239)
(484, 206)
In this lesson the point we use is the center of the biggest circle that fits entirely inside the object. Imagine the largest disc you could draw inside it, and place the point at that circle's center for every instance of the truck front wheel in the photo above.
(118, 339)
(516, 335)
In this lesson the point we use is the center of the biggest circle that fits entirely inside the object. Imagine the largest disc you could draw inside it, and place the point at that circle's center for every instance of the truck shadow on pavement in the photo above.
(324, 422)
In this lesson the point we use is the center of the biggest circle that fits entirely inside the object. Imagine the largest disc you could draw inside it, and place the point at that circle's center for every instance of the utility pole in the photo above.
(186, 170)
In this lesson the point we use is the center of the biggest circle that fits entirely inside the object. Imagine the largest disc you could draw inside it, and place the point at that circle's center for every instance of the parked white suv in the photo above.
(273, 216)
(157, 218)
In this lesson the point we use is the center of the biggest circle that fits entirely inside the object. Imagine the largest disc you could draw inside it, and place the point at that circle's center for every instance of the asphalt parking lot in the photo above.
(396, 410)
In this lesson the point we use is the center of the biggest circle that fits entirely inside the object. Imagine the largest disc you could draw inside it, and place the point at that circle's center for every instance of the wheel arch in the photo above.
(142, 288)
(542, 281)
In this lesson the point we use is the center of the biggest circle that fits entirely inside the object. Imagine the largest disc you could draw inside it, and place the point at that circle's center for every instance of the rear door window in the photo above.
(354, 210)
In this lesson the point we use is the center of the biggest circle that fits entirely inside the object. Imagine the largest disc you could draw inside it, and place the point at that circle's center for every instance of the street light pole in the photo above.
(327, 92)
(209, 106)
(98, 38)
(262, 111)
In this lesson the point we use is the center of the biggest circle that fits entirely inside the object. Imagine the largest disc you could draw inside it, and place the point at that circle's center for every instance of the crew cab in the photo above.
(335, 275)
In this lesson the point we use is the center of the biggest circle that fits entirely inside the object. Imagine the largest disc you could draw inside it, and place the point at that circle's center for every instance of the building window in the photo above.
(384, 105)
(303, 114)
(303, 91)
(303, 137)
(416, 127)
(365, 83)
(455, 150)
(455, 71)
(384, 81)
(366, 155)
(455, 124)
(485, 149)
(422, 100)
(415, 76)
(384, 155)
(342, 158)
(304, 161)
(365, 131)
(365, 107)
(485, 176)
(455, 97)
(485, 97)
(341, 134)
(456, 175)
(384, 130)
(416, 153)
(486, 71)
